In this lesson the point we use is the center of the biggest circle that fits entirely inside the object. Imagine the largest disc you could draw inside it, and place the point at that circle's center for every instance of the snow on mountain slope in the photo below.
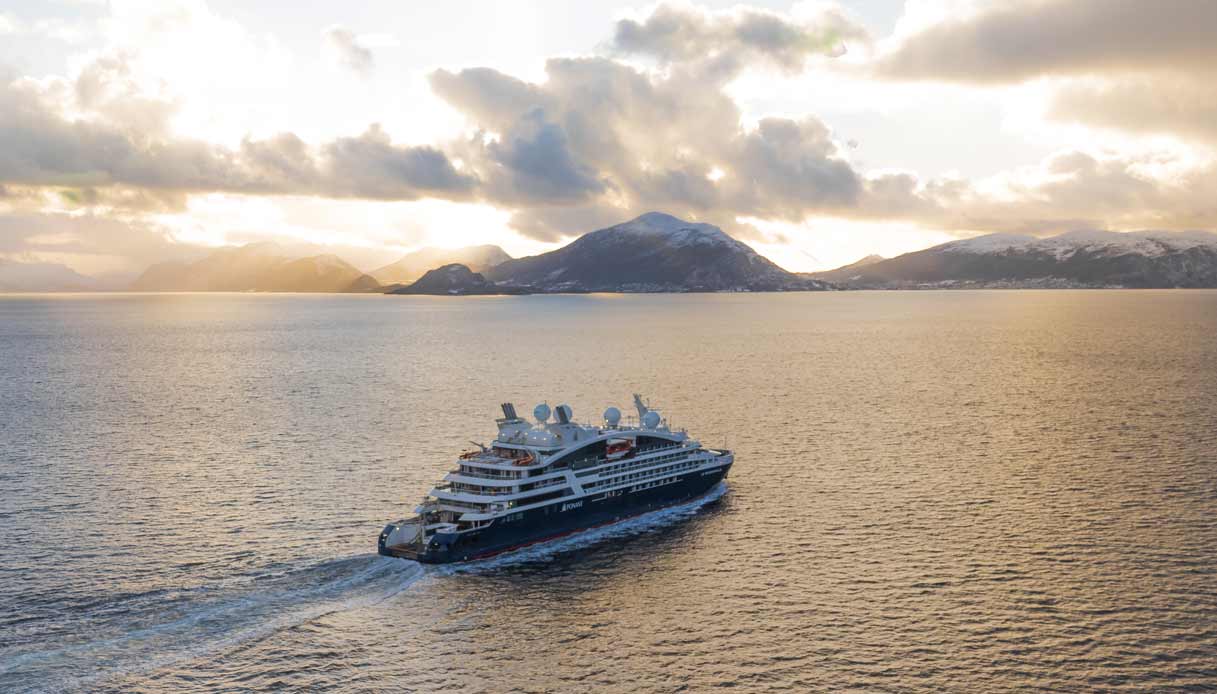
(653, 252)
(1147, 243)
(1078, 258)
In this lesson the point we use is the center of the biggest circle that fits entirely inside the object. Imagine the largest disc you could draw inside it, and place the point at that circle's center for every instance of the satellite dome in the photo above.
(612, 416)
(650, 420)
(541, 412)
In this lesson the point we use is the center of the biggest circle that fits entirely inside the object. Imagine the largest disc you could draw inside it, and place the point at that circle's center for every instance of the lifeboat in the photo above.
(618, 448)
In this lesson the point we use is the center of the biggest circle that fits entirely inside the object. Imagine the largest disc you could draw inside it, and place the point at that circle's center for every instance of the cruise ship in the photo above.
(543, 480)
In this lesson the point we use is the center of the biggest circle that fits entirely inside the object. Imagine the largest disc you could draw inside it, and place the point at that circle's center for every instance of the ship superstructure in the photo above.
(541, 480)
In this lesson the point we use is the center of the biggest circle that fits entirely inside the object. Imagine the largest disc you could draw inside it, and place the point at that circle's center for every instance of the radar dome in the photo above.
(541, 412)
(650, 420)
(612, 416)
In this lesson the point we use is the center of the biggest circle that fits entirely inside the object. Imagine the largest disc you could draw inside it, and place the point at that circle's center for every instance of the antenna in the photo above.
(642, 409)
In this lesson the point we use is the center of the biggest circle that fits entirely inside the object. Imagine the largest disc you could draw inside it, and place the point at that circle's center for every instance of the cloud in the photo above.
(371, 166)
(598, 134)
(1011, 42)
(87, 242)
(723, 42)
(40, 147)
(600, 140)
(1077, 189)
(1160, 104)
(1138, 67)
(345, 49)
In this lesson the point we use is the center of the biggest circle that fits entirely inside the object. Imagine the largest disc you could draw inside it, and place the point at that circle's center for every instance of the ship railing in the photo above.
(489, 474)
(593, 461)
(483, 491)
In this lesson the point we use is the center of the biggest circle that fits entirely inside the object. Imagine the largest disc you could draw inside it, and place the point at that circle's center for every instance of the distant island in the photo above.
(657, 252)
(455, 280)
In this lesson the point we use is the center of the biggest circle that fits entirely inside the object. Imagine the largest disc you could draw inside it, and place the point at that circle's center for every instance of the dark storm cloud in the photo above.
(1018, 41)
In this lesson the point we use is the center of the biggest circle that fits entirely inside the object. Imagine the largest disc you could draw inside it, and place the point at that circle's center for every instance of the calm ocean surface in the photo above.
(933, 491)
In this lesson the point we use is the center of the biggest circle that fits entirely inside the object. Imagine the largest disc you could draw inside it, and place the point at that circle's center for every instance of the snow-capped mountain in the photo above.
(454, 279)
(1077, 258)
(255, 267)
(655, 252)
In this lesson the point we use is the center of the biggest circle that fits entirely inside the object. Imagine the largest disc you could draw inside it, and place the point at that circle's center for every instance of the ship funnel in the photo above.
(509, 411)
(563, 413)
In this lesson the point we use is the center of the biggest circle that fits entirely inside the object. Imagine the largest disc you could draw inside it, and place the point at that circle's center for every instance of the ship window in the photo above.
(539, 498)
(591, 452)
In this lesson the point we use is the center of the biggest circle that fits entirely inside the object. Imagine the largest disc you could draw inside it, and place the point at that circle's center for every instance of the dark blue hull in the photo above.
(557, 520)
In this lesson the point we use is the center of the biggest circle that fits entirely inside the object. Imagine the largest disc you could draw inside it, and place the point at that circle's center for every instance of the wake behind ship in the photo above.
(539, 482)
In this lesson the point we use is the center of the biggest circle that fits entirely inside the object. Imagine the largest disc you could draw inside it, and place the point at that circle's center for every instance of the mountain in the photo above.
(455, 279)
(43, 277)
(1074, 259)
(255, 267)
(655, 252)
(845, 272)
(413, 265)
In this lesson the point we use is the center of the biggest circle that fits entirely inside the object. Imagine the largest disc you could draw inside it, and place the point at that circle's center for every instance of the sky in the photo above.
(133, 132)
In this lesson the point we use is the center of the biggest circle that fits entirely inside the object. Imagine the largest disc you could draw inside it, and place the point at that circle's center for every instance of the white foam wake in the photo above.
(214, 626)
(290, 599)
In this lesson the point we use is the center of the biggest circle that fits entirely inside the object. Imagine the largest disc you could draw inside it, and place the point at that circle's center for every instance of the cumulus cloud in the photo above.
(723, 42)
(39, 146)
(598, 133)
(345, 49)
(372, 166)
(599, 140)
(1018, 41)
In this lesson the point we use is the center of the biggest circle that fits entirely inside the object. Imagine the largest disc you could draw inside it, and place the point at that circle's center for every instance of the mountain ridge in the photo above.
(1083, 258)
(454, 279)
(652, 252)
(256, 267)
